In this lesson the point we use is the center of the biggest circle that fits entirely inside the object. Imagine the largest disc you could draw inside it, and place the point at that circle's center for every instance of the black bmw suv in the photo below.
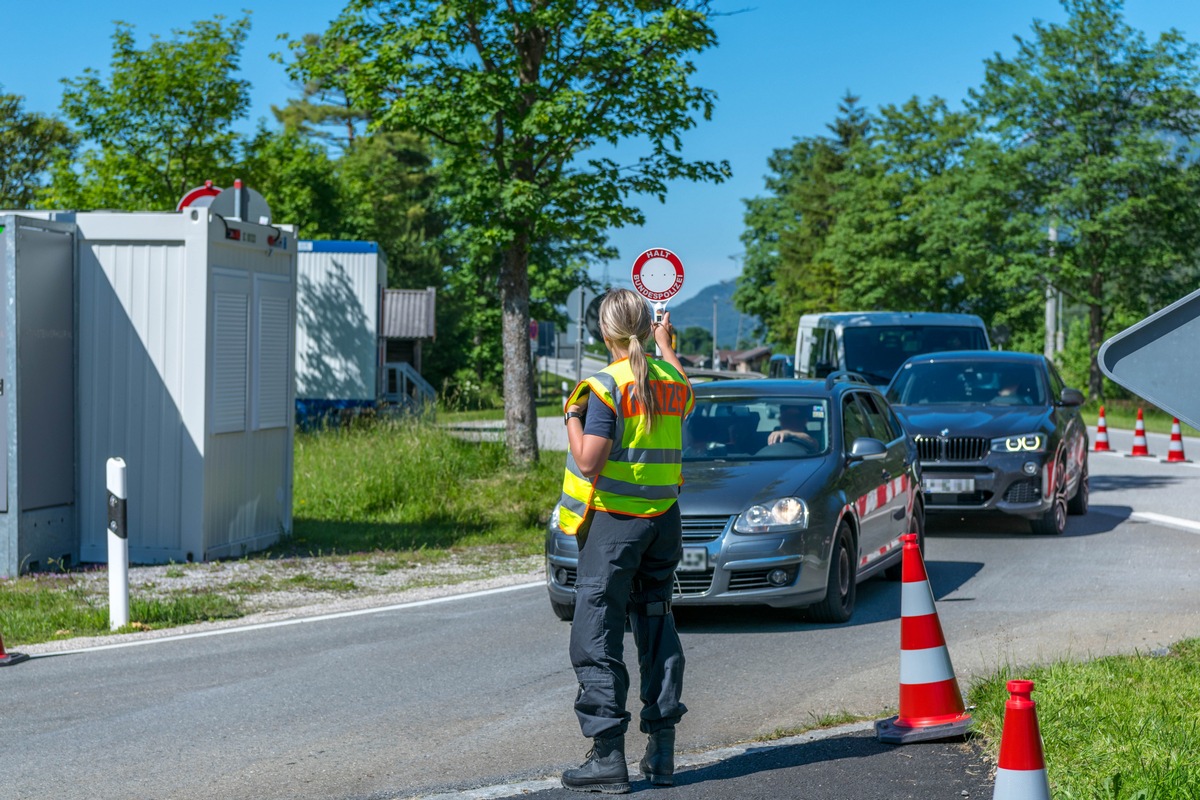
(996, 431)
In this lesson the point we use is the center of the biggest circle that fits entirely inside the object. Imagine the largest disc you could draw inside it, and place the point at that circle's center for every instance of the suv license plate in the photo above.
(695, 559)
(948, 485)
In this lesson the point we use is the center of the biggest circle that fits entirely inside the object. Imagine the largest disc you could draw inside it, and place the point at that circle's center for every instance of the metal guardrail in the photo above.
(720, 374)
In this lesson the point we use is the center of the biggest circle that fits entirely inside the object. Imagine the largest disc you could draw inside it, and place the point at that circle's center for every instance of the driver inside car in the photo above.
(792, 421)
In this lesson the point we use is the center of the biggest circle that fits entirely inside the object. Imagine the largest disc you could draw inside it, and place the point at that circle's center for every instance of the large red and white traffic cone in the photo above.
(1021, 772)
(1139, 438)
(931, 705)
(1102, 434)
(8, 659)
(1175, 450)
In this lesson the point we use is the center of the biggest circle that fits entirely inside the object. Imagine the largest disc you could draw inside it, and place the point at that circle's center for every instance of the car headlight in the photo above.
(786, 513)
(1025, 443)
(554, 517)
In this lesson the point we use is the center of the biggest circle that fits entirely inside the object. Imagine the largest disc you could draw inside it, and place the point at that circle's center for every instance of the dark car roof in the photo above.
(777, 387)
(978, 356)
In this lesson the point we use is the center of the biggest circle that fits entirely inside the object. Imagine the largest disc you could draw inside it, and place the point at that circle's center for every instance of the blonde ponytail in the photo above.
(625, 317)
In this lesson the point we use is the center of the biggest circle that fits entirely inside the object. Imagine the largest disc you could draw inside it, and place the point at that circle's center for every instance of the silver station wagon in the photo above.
(794, 491)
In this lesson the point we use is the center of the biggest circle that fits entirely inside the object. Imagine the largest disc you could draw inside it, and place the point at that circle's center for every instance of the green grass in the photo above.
(816, 722)
(406, 487)
(46, 607)
(1123, 414)
(1115, 728)
(549, 405)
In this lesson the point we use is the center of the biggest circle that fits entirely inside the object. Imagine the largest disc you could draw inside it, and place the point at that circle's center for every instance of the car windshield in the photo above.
(877, 351)
(959, 382)
(738, 428)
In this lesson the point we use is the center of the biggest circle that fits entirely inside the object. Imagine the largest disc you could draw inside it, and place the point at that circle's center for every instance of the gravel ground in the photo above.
(288, 588)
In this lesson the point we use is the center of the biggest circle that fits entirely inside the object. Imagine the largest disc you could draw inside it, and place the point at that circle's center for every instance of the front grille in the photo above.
(1026, 491)
(703, 529)
(953, 448)
(693, 582)
(977, 498)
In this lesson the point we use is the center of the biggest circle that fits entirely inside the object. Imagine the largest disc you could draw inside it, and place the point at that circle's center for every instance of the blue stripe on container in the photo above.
(336, 246)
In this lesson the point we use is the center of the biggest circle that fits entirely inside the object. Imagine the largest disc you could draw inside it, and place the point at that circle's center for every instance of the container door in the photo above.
(45, 368)
(5, 266)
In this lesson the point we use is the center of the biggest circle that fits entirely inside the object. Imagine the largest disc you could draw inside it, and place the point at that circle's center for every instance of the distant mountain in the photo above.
(698, 311)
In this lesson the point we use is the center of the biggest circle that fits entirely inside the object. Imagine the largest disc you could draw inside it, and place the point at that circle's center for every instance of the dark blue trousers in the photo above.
(626, 568)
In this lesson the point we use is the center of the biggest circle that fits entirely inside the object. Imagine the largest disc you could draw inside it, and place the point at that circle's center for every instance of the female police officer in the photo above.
(619, 497)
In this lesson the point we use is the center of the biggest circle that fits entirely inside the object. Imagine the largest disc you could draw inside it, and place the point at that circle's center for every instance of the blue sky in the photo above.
(779, 70)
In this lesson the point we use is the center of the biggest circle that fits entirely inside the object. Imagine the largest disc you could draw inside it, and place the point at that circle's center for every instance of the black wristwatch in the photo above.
(570, 414)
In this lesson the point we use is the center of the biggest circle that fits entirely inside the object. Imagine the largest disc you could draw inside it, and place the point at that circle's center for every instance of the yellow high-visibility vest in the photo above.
(643, 471)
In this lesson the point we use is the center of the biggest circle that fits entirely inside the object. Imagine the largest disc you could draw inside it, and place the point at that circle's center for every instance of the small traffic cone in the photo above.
(8, 659)
(931, 705)
(1175, 450)
(1021, 772)
(1102, 434)
(1139, 438)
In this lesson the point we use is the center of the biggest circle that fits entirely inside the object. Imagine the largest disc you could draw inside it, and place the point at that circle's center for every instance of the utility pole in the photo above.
(1051, 303)
(1059, 343)
(579, 338)
(716, 361)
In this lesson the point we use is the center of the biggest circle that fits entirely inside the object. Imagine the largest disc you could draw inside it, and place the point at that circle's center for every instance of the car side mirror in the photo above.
(866, 448)
(1072, 397)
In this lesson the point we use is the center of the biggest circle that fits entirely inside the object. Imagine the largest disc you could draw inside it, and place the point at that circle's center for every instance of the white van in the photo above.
(875, 343)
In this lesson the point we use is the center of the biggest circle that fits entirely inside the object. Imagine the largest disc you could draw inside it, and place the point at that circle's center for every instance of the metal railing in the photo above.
(404, 386)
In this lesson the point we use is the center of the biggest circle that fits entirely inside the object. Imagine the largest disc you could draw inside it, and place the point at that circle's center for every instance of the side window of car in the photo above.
(854, 421)
(881, 428)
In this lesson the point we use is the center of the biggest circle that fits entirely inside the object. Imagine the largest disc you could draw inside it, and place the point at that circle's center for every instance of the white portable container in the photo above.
(37, 380)
(185, 330)
(339, 287)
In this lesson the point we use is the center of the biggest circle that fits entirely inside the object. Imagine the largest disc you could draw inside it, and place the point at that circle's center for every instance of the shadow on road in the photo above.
(878, 601)
(848, 767)
(995, 525)
(851, 766)
(1114, 483)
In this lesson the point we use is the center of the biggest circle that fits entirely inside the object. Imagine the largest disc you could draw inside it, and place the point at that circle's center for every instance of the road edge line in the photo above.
(358, 612)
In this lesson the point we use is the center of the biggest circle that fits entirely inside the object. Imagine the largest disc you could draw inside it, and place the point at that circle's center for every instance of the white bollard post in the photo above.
(118, 547)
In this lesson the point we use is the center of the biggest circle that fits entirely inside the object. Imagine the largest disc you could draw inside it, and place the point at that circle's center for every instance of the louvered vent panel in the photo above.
(273, 330)
(229, 362)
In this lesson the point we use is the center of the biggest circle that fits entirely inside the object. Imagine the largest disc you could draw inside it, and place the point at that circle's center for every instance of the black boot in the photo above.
(604, 770)
(659, 762)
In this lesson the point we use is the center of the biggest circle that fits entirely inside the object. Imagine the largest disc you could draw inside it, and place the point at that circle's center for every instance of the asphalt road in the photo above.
(476, 691)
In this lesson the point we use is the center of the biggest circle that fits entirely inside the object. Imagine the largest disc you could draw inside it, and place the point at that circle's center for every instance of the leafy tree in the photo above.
(29, 142)
(323, 110)
(695, 340)
(921, 221)
(160, 123)
(527, 104)
(297, 179)
(388, 192)
(1096, 122)
(785, 273)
